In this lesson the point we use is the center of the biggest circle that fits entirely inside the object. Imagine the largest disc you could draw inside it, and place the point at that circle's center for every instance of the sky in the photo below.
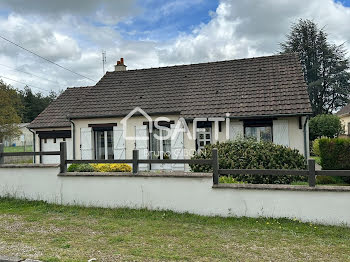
(147, 33)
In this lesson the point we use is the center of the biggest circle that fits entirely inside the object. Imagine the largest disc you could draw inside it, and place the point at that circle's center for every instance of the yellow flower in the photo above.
(112, 167)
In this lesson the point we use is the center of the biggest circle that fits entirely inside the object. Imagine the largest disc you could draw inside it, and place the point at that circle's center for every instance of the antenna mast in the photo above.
(103, 61)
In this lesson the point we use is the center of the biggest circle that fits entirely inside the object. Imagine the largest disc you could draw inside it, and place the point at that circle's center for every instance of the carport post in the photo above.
(1, 156)
(63, 157)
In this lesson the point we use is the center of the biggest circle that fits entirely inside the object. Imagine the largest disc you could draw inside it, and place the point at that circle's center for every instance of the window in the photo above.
(104, 145)
(261, 130)
(160, 147)
(203, 137)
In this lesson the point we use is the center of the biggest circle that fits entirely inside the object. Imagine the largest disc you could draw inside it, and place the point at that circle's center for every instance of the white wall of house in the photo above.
(346, 122)
(179, 194)
(24, 139)
(51, 146)
(287, 128)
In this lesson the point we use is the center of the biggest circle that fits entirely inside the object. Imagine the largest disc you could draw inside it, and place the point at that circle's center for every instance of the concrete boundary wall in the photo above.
(179, 192)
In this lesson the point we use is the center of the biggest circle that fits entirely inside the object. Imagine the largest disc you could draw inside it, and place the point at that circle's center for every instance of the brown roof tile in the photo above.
(55, 115)
(272, 85)
(263, 86)
(344, 111)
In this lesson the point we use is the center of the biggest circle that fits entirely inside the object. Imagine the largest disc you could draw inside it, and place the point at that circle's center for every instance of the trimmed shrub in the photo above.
(111, 167)
(323, 180)
(229, 180)
(80, 168)
(335, 153)
(249, 154)
(316, 147)
(325, 125)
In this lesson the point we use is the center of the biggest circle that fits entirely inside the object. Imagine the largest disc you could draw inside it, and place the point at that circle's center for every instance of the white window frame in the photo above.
(258, 137)
(205, 131)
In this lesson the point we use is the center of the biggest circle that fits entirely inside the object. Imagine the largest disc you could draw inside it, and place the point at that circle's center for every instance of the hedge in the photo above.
(249, 154)
(335, 153)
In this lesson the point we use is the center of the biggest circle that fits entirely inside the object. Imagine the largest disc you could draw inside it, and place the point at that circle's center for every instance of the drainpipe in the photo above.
(305, 137)
(73, 137)
(34, 144)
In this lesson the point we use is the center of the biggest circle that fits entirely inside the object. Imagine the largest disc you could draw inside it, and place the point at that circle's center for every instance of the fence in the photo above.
(310, 172)
(19, 154)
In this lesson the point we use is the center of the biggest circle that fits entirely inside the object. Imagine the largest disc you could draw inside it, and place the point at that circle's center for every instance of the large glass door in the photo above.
(104, 145)
(160, 148)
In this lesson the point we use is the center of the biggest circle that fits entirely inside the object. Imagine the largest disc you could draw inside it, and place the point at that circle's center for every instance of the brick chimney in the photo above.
(120, 65)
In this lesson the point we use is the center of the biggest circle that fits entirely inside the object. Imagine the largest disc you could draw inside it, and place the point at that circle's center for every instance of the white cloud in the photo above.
(237, 29)
(252, 28)
(106, 11)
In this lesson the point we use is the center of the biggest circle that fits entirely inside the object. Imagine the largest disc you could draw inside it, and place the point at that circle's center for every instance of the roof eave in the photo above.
(43, 127)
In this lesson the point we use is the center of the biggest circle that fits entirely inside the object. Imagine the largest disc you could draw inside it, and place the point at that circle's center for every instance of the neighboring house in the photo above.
(344, 115)
(266, 98)
(24, 139)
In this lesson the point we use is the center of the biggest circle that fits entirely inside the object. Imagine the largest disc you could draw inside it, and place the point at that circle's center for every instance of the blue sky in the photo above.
(149, 33)
(344, 2)
(163, 19)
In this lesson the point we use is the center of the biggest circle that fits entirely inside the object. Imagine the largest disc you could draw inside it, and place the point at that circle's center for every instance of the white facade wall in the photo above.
(295, 135)
(180, 194)
(346, 123)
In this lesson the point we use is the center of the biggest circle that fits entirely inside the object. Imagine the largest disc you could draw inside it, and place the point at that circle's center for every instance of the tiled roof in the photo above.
(55, 115)
(271, 85)
(344, 111)
(263, 86)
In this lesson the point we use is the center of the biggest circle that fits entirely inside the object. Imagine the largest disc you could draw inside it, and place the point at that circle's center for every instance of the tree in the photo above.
(10, 104)
(325, 66)
(325, 125)
(34, 103)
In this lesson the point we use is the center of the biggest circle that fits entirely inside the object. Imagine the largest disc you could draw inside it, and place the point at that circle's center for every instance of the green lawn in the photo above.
(60, 233)
(11, 149)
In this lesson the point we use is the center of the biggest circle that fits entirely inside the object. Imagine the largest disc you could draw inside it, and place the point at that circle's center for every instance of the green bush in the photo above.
(325, 125)
(327, 180)
(80, 168)
(229, 180)
(316, 147)
(249, 154)
(335, 154)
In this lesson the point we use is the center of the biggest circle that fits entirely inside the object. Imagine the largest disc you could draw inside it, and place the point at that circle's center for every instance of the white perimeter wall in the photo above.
(180, 194)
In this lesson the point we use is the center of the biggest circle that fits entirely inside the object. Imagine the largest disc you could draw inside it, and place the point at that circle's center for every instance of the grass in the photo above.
(14, 149)
(38, 230)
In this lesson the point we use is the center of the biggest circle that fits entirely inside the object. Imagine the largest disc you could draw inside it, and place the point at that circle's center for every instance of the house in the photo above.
(344, 115)
(24, 139)
(265, 98)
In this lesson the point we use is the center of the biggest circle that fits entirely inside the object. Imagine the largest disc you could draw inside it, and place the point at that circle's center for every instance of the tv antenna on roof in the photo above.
(103, 61)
